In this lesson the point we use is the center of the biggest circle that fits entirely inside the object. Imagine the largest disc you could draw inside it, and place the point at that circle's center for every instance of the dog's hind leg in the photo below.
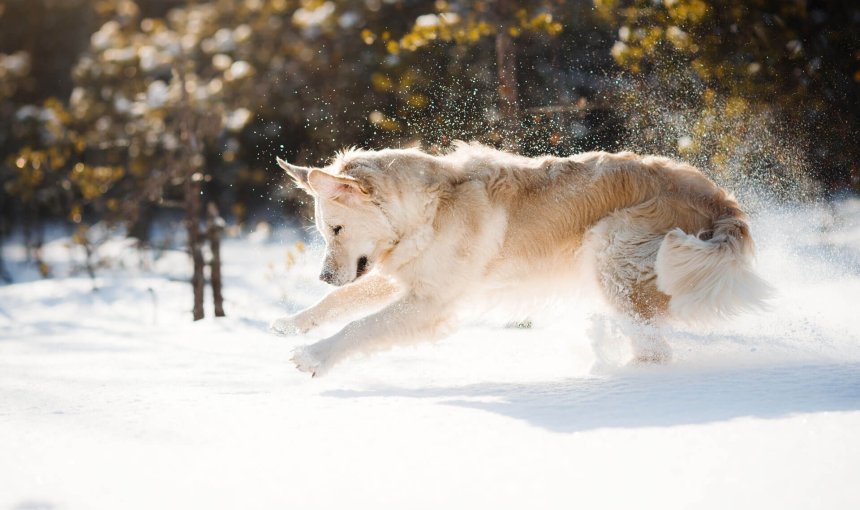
(624, 251)
(619, 339)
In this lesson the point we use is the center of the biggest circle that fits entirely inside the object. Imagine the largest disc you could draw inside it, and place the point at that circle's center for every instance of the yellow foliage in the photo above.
(679, 39)
(368, 37)
(239, 210)
(383, 122)
(541, 22)
(138, 168)
(468, 28)
(381, 82)
(259, 176)
(417, 100)
(75, 213)
(701, 68)
(691, 11)
(736, 106)
(95, 181)
(31, 166)
(407, 79)
(80, 235)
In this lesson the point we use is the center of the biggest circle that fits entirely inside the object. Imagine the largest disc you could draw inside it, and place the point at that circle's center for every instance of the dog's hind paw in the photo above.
(306, 359)
(651, 349)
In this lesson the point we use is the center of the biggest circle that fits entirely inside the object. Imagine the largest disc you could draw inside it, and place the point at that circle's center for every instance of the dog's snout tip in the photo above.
(327, 276)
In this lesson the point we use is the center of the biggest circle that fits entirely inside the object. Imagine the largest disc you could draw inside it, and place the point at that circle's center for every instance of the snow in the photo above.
(113, 398)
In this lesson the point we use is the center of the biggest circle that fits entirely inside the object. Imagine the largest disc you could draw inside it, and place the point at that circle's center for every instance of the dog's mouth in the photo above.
(361, 267)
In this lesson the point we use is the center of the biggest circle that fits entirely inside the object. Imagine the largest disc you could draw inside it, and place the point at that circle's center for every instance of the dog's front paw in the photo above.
(288, 326)
(311, 360)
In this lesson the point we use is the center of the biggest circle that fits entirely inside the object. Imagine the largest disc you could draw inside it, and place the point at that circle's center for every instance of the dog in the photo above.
(411, 236)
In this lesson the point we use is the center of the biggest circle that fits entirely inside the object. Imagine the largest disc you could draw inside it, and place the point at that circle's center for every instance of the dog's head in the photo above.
(356, 228)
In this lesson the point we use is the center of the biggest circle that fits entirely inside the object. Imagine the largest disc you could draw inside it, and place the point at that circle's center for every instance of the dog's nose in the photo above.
(327, 276)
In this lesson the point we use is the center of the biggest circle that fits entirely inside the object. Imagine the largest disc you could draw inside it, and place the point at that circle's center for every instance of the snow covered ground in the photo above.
(114, 399)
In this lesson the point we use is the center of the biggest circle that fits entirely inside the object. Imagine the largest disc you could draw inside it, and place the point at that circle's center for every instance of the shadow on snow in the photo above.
(653, 400)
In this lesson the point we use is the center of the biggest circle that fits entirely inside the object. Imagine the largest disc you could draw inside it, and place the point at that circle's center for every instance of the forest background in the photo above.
(126, 114)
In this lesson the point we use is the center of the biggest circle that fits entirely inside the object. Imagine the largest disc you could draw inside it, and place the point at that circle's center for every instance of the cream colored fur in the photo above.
(433, 232)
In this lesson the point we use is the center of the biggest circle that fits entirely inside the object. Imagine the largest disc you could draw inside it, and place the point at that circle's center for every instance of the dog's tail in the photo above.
(710, 275)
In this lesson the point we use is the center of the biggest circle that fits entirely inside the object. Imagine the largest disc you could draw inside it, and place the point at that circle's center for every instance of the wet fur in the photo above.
(442, 230)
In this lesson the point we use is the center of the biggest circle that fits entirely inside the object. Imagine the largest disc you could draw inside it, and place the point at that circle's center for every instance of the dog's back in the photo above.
(664, 237)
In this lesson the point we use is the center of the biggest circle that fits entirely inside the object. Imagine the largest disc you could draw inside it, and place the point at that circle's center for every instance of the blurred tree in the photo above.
(111, 110)
(513, 74)
(38, 43)
(160, 98)
(761, 86)
(13, 68)
(44, 175)
(52, 33)
(468, 23)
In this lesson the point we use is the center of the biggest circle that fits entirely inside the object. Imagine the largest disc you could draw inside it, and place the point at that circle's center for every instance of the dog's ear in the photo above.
(299, 174)
(337, 187)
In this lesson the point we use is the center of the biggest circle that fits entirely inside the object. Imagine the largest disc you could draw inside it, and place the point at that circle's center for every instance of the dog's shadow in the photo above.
(652, 399)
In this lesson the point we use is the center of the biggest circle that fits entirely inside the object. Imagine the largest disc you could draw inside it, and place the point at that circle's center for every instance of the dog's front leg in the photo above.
(402, 322)
(365, 293)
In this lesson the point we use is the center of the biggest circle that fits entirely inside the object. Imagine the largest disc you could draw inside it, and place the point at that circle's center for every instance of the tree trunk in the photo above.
(192, 224)
(506, 71)
(193, 177)
(508, 90)
(4, 274)
(214, 228)
(141, 223)
(6, 221)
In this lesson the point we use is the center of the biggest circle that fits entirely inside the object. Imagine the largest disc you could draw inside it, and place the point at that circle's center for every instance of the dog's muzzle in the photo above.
(327, 276)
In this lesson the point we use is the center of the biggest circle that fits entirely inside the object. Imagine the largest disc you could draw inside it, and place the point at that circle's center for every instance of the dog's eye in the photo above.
(336, 229)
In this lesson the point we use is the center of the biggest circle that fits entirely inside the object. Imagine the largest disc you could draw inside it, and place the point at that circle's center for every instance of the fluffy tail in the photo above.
(711, 278)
